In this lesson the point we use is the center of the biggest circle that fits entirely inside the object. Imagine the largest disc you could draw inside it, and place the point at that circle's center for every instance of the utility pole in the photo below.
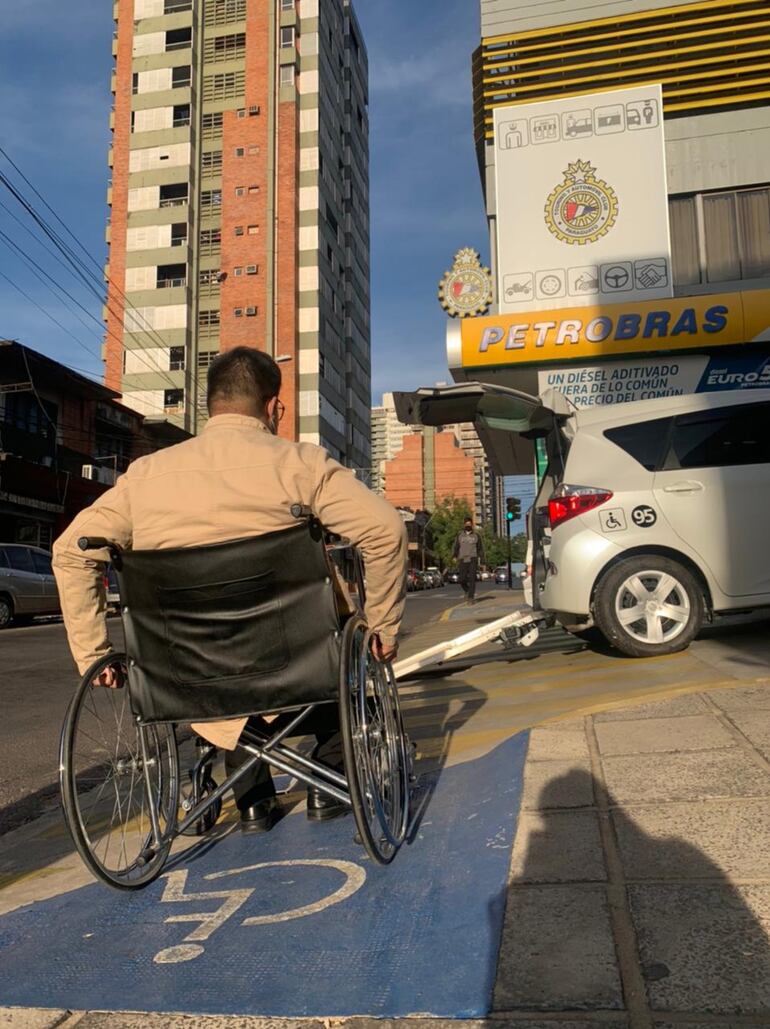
(512, 514)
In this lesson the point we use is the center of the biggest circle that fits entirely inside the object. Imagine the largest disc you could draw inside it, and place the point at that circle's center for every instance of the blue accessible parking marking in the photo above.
(297, 922)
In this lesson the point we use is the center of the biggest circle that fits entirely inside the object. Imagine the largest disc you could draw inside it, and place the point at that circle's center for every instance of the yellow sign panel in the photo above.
(684, 323)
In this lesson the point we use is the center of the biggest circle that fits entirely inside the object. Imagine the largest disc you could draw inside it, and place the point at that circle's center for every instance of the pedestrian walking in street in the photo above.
(469, 552)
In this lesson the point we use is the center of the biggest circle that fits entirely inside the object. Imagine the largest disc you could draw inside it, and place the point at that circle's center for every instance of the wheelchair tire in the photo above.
(376, 750)
(103, 785)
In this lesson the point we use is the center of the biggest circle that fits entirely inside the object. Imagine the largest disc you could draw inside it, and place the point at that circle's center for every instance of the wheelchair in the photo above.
(223, 631)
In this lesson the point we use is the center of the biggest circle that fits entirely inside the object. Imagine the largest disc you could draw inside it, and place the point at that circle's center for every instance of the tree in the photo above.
(446, 521)
(495, 548)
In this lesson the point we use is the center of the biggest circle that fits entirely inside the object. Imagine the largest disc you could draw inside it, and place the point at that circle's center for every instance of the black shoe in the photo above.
(321, 807)
(260, 817)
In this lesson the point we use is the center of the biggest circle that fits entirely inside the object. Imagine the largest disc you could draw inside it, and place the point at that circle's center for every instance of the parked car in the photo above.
(501, 574)
(486, 575)
(436, 577)
(27, 585)
(452, 575)
(651, 516)
(669, 531)
(411, 580)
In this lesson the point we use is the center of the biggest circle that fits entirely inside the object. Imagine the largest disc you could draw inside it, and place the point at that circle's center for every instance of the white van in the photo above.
(651, 516)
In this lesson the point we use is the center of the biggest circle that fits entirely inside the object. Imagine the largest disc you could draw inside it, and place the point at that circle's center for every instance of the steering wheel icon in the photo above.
(616, 277)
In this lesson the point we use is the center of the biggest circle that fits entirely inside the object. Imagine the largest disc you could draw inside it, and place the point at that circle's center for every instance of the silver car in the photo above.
(27, 585)
(651, 517)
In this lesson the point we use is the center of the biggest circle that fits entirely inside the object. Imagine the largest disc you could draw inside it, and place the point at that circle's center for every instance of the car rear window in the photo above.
(646, 442)
(3, 558)
(722, 437)
(42, 563)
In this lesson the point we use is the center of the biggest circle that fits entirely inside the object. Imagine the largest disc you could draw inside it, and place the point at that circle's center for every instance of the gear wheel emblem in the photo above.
(582, 208)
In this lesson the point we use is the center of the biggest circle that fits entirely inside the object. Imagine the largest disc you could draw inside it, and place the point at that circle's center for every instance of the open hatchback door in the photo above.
(506, 420)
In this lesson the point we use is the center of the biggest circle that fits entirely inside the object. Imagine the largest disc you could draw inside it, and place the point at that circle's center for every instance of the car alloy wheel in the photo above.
(6, 612)
(652, 606)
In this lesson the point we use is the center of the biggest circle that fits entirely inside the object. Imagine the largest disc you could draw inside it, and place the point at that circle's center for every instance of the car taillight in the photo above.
(569, 501)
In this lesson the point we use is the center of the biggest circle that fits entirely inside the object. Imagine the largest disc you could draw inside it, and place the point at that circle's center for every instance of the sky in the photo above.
(426, 201)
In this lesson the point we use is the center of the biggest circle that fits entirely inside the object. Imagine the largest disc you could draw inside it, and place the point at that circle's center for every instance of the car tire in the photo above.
(6, 611)
(652, 586)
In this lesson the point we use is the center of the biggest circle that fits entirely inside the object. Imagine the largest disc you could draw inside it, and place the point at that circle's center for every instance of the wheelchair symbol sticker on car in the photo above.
(234, 899)
(644, 517)
(613, 520)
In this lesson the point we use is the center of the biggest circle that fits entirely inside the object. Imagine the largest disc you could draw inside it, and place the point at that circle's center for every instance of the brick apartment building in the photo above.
(430, 466)
(240, 208)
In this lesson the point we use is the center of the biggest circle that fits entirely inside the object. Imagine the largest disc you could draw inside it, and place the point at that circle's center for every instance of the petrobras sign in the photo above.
(582, 204)
(684, 323)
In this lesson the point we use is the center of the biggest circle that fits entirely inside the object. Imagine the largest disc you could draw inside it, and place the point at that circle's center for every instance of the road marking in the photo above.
(233, 901)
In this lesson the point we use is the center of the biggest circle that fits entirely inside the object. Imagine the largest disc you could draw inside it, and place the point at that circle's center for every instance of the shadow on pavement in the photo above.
(602, 916)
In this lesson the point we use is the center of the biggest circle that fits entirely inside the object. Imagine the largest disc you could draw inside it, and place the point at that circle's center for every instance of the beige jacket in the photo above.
(233, 480)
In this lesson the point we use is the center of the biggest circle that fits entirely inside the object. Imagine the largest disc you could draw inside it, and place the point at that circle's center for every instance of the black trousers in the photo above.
(323, 723)
(468, 577)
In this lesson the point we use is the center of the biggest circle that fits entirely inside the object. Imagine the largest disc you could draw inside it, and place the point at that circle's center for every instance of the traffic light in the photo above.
(512, 509)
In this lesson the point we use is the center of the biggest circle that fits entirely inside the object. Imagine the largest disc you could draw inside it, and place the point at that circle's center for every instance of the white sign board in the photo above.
(612, 383)
(582, 206)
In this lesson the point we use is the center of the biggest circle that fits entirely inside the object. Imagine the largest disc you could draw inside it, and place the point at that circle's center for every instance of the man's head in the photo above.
(245, 381)
(468, 524)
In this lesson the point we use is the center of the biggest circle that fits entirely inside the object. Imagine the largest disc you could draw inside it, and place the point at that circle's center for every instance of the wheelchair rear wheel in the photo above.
(116, 779)
(375, 745)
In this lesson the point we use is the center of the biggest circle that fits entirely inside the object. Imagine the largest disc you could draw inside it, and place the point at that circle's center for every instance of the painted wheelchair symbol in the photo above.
(233, 900)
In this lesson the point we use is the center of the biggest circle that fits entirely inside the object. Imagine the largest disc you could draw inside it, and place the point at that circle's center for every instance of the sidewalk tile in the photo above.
(755, 726)
(558, 847)
(689, 704)
(690, 841)
(660, 735)
(557, 744)
(30, 1018)
(557, 951)
(557, 784)
(698, 776)
(751, 698)
(712, 941)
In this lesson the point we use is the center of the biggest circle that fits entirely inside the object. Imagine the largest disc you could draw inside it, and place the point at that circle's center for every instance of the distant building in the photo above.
(430, 466)
(240, 208)
(64, 439)
(387, 435)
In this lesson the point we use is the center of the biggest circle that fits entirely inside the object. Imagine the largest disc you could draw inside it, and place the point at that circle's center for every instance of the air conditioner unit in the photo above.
(251, 269)
(250, 312)
(253, 110)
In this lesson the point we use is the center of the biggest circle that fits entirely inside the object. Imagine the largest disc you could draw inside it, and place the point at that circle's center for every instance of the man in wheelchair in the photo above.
(239, 478)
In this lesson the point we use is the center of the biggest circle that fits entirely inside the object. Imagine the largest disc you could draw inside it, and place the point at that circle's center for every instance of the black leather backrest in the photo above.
(230, 629)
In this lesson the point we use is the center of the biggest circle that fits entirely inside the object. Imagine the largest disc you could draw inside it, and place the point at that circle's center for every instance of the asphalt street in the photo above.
(37, 678)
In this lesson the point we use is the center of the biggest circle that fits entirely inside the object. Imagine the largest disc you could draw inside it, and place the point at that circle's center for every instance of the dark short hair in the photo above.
(467, 519)
(243, 373)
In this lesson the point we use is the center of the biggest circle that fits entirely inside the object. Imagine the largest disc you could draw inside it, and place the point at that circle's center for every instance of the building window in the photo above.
(253, 150)
(179, 234)
(240, 151)
(287, 75)
(209, 277)
(173, 399)
(224, 85)
(729, 232)
(253, 230)
(178, 39)
(238, 312)
(181, 116)
(238, 230)
(208, 318)
(252, 269)
(174, 195)
(223, 12)
(211, 240)
(211, 160)
(170, 276)
(211, 125)
(211, 198)
(176, 357)
(225, 48)
(237, 271)
(287, 5)
(240, 191)
(205, 357)
(176, 6)
(287, 36)
(135, 83)
(181, 77)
